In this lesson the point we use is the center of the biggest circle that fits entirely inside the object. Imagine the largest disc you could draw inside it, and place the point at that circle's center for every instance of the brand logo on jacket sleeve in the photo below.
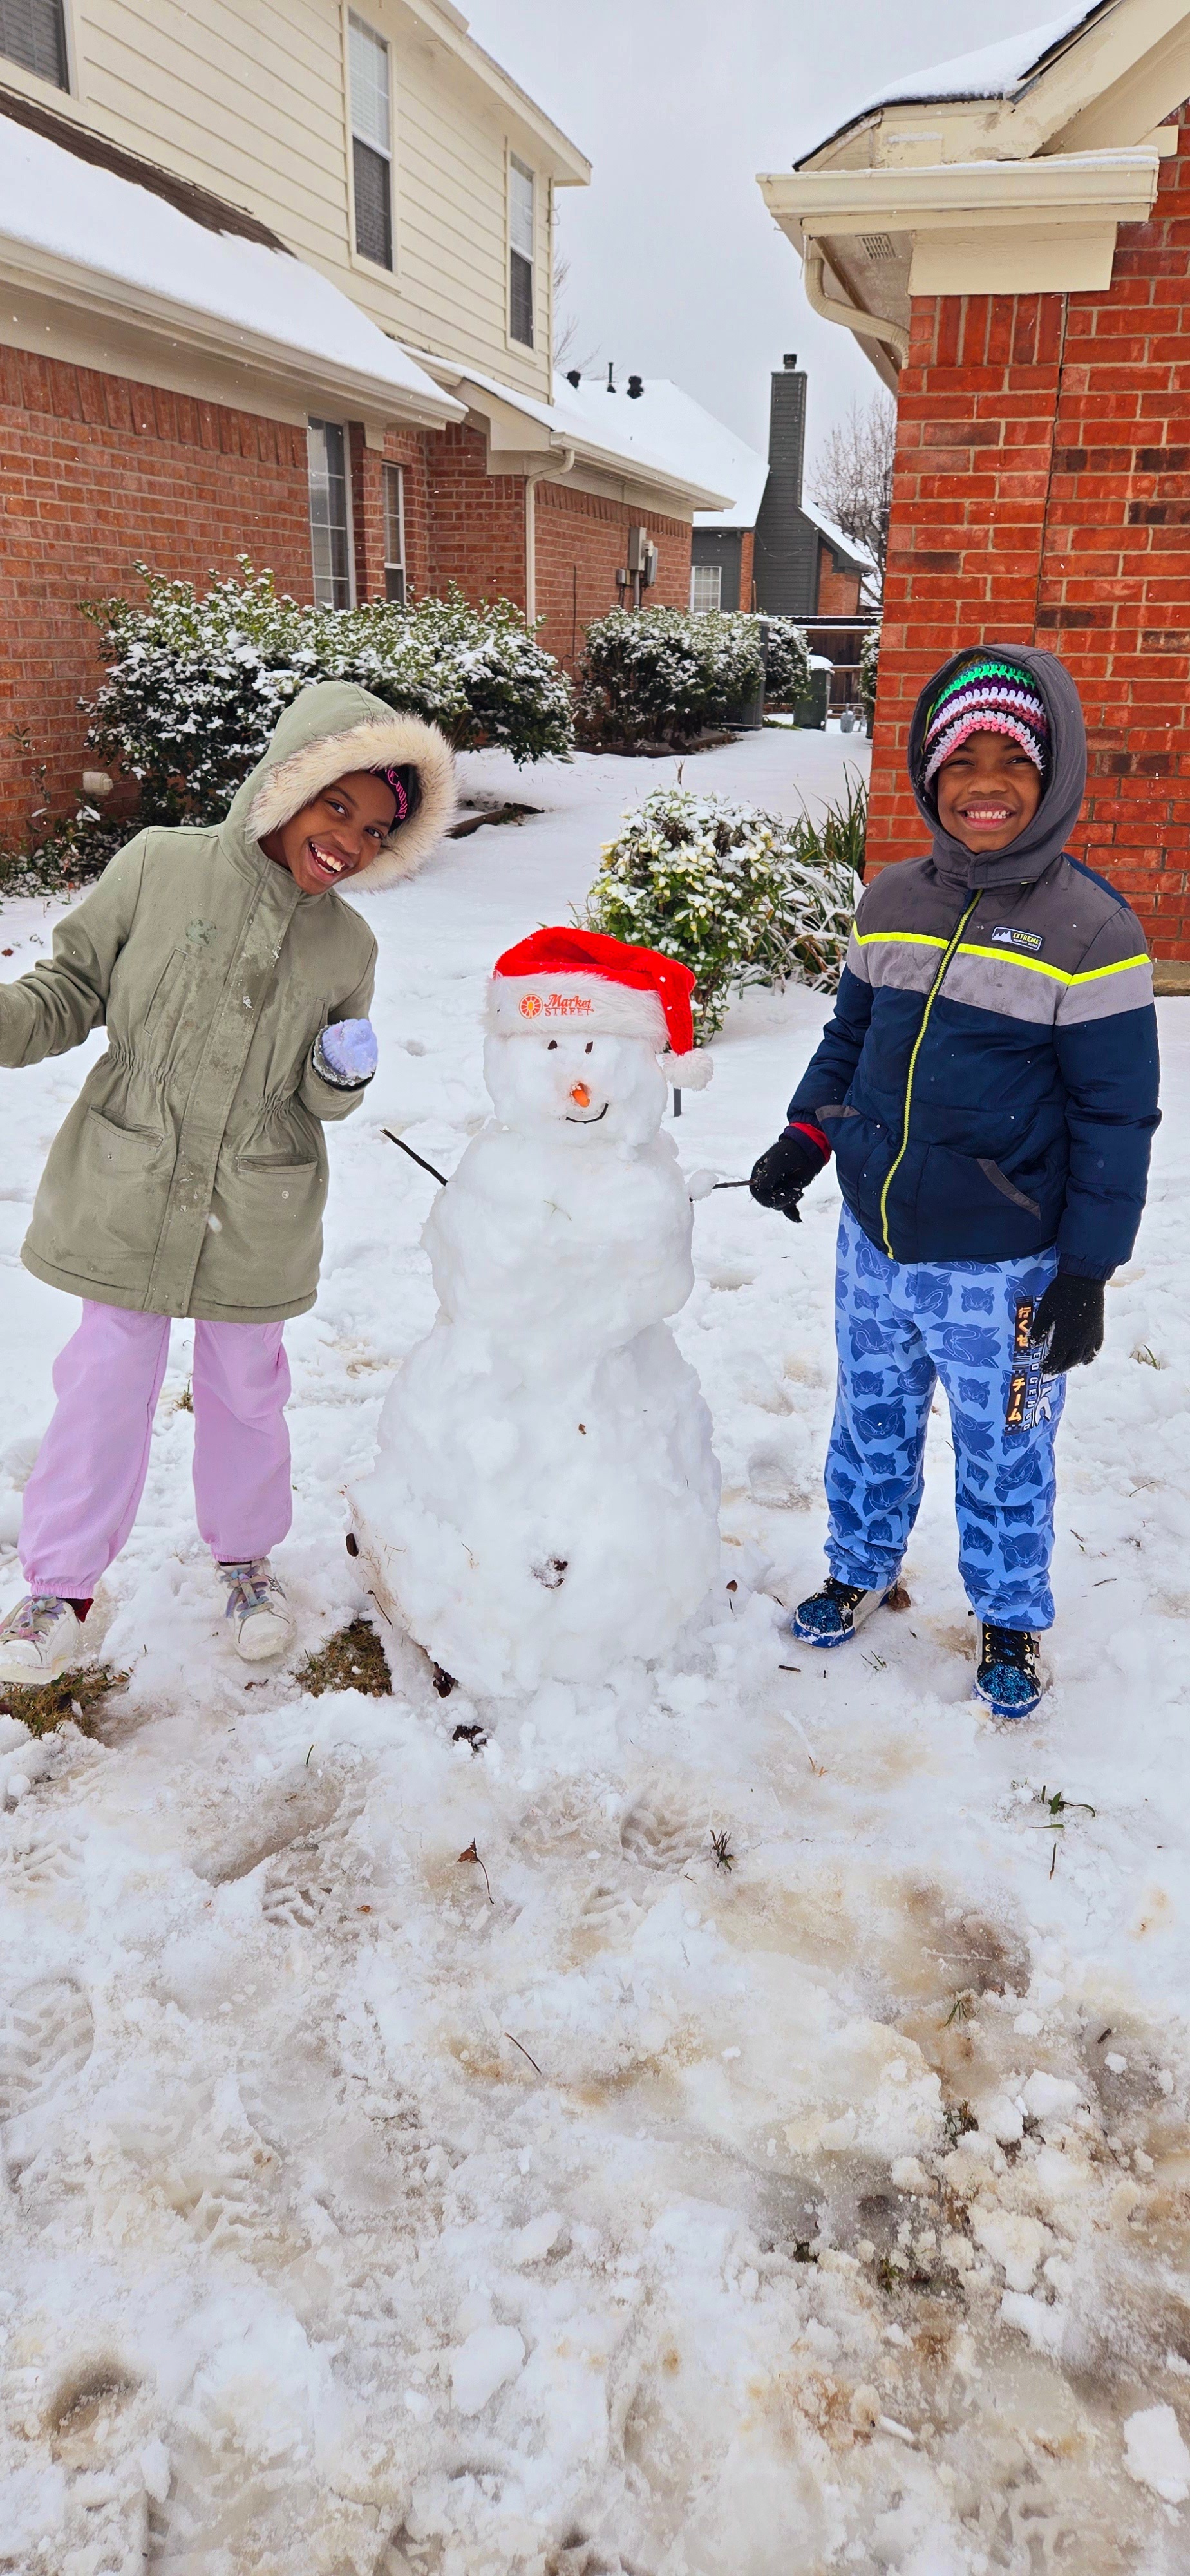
(1006, 937)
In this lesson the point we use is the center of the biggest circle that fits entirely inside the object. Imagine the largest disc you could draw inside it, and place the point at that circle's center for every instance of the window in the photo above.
(33, 34)
(330, 525)
(371, 143)
(394, 535)
(520, 253)
(706, 587)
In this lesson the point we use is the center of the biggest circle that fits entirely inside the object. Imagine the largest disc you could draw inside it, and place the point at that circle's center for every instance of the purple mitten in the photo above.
(346, 1051)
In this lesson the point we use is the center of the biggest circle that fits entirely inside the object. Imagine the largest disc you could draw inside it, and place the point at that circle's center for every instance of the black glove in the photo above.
(1073, 1308)
(780, 1176)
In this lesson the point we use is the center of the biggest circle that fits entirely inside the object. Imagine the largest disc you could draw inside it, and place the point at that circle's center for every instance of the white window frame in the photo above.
(706, 607)
(13, 75)
(325, 420)
(394, 563)
(359, 258)
(531, 346)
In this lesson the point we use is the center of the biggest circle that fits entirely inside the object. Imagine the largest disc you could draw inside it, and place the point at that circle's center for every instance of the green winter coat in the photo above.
(189, 1177)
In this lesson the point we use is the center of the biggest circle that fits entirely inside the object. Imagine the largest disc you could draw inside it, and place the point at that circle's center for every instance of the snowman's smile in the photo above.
(588, 1122)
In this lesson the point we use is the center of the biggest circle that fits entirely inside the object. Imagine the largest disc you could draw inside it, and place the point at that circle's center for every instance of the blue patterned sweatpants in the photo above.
(901, 1326)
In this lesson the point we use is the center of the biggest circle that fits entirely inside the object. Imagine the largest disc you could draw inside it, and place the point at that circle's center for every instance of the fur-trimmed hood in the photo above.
(333, 727)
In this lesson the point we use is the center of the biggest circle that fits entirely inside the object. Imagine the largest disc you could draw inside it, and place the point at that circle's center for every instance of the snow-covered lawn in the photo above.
(603, 2208)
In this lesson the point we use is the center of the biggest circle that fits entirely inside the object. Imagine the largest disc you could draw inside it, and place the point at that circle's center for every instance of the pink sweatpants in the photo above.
(82, 1497)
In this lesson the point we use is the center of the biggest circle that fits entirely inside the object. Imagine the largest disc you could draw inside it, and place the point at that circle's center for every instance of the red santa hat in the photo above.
(579, 979)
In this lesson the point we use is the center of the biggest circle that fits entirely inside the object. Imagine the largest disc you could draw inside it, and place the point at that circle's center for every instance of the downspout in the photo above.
(872, 326)
(550, 473)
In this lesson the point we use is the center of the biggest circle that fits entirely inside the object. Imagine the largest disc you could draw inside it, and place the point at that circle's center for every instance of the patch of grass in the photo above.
(721, 1847)
(353, 1659)
(77, 1695)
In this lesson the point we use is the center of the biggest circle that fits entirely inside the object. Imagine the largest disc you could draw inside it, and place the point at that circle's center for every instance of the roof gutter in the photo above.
(301, 371)
(870, 326)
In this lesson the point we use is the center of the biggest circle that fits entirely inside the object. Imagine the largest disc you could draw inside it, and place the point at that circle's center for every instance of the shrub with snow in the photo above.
(662, 675)
(786, 662)
(869, 662)
(195, 684)
(742, 897)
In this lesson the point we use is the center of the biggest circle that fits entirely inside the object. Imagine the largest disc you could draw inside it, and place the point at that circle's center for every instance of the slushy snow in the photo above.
(545, 1500)
(292, 2109)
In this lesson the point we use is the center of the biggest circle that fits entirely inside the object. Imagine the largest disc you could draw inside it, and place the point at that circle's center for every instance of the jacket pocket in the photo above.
(1000, 1181)
(114, 1200)
(263, 1251)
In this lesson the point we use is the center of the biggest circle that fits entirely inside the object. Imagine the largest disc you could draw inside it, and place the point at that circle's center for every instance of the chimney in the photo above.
(787, 424)
(786, 546)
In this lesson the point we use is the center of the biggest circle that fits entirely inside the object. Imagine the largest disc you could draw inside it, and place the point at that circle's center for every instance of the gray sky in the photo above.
(676, 269)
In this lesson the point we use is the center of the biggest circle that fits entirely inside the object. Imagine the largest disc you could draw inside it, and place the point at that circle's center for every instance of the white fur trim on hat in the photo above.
(592, 1003)
(391, 742)
(689, 1072)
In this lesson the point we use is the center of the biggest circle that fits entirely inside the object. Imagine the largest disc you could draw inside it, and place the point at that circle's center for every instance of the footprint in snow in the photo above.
(657, 1841)
(47, 2033)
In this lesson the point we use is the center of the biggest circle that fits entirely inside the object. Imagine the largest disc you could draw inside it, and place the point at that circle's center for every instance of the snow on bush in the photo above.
(869, 661)
(662, 675)
(786, 662)
(742, 897)
(196, 683)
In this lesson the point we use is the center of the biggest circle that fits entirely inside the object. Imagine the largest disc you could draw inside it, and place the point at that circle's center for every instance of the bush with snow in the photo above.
(869, 663)
(196, 683)
(663, 675)
(786, 662)
(742, 897)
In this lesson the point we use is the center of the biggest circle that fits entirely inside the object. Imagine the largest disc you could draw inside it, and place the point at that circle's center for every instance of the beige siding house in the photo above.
(277, 282)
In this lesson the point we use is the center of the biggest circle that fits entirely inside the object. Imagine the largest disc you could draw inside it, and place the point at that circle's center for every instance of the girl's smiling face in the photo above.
(338, 833)
(987, 791)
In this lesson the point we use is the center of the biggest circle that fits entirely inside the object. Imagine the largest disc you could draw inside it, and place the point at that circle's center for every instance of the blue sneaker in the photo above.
(1008, 1678)
(832, 1616)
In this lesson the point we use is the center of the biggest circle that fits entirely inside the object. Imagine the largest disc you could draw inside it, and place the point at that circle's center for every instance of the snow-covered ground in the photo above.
(604, 2208)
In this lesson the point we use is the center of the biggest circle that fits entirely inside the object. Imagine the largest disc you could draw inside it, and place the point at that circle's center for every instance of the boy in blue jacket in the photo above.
(988, 1083)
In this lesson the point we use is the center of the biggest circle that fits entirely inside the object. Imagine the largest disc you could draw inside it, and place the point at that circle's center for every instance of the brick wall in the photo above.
(408, 450)
(838, 592)
(747, 568)
(477, 520)
(1042, 494)
(98, 471)
(582, 542)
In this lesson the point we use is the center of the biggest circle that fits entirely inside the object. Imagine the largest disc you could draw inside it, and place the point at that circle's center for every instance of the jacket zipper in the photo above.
(895, 1165)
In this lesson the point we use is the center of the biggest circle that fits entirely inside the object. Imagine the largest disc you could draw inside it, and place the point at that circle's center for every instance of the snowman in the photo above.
(545, 1497)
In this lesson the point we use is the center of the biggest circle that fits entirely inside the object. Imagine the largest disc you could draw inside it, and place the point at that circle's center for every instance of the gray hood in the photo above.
(1044, 839)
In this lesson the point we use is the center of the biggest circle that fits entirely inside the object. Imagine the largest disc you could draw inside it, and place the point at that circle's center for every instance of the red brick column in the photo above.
(1042, 494)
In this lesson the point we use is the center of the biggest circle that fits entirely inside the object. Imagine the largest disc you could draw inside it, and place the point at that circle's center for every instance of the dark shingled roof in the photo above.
(189, 199)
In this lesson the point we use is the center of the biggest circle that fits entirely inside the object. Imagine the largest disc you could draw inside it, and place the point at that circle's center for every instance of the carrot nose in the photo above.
(580, 1095)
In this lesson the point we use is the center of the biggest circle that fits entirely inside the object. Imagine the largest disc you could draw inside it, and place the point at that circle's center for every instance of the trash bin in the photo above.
(811, 710)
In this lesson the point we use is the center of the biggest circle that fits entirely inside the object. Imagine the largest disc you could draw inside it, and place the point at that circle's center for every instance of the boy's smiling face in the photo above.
(987, 791)
(339, 832)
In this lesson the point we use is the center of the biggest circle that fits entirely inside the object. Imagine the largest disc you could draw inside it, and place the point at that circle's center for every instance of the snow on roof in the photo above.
(58, 207)
(607, 436)
(669, 423)
(853, 547)
(993, 71)
(673, 424)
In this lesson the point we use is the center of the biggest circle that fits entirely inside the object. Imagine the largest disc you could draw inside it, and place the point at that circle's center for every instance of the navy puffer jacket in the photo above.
(989, 1077)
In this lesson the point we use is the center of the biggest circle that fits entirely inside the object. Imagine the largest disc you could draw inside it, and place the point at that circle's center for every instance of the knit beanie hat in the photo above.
(989, 694)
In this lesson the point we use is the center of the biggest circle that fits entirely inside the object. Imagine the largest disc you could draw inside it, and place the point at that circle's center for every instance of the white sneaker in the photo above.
(256, 1613)
(39, 1641)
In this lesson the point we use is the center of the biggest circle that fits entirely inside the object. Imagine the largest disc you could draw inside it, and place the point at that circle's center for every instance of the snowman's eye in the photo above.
(552, 1046)
(587, 1049)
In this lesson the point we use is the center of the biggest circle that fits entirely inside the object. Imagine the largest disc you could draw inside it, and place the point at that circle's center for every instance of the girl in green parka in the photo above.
(189, 1177)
